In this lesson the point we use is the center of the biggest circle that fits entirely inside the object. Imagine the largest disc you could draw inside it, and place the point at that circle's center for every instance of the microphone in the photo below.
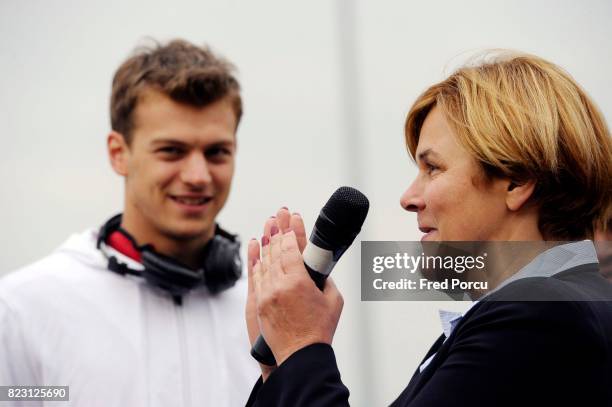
(338, 224)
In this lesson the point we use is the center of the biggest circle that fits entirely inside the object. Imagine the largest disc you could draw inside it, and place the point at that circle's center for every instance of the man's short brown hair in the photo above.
(185, 72)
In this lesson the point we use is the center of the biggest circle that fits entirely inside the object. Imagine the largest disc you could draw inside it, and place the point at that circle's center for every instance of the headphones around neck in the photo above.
(221, 264)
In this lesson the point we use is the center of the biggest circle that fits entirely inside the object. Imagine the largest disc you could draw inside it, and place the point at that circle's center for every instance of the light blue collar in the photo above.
(552, 261)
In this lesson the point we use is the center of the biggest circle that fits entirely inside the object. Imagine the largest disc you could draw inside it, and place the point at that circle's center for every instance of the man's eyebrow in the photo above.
(167, 141)
(173, 141)
(424, 154)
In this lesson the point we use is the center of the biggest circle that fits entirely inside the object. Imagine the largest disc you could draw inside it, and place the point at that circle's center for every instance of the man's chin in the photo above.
(191, 233)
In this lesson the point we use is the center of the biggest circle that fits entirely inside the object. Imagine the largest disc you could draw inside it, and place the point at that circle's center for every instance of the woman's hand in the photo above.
(284, 221)
(291, 312)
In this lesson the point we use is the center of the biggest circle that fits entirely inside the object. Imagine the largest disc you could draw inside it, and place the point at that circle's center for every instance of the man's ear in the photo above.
(518, 194)
(118, 152)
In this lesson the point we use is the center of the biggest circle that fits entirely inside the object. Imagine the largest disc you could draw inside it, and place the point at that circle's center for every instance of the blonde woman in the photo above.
(508, 149)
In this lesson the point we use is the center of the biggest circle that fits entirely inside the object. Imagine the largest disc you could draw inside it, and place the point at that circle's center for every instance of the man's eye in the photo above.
(170, 150)
(217, 152)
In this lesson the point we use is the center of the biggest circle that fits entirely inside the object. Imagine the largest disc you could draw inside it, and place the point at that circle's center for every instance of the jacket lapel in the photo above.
(440, 348)
(417, 377)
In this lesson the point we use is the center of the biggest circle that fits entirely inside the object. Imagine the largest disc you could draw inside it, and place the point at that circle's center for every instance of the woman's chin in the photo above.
(430, 236)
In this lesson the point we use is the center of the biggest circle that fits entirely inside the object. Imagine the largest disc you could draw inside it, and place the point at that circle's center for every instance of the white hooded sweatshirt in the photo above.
(115, 341)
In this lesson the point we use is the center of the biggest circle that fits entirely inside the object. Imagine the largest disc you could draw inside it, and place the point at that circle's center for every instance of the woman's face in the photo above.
(449, 195)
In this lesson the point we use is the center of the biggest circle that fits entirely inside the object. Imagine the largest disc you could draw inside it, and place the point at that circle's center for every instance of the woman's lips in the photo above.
(428, 233)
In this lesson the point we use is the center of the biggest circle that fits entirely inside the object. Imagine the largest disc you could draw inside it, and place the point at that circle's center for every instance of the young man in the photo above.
(147, 310)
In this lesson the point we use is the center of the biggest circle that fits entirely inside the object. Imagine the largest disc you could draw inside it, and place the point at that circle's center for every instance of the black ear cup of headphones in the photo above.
(221, 265)
(222, 262)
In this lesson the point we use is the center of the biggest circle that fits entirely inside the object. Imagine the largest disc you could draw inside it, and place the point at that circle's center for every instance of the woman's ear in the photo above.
(518, 194)
(118, 152)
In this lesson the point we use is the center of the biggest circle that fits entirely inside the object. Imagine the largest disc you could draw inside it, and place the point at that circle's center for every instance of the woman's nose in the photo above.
(412, 199)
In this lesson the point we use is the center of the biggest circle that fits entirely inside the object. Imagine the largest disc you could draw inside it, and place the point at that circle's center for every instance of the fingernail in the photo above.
(265, 240)
(273, 230)
(296, 213)
(272, 217)
(284, 207)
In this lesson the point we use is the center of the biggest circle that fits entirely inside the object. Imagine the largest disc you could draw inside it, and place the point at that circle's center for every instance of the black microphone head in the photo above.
(342, 216)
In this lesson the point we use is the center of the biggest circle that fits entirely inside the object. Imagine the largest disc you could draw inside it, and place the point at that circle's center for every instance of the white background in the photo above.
(327, 85)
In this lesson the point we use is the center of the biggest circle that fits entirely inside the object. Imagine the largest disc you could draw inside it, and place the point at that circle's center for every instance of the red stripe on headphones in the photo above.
(123, 245)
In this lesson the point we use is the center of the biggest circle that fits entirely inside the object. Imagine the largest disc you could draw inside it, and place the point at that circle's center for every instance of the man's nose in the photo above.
(195, 171)
(412, 198)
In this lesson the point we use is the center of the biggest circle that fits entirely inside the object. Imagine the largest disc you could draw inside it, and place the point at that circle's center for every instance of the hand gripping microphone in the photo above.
(338, 224)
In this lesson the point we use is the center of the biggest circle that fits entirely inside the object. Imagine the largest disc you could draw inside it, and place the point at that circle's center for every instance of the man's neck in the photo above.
(186, 251)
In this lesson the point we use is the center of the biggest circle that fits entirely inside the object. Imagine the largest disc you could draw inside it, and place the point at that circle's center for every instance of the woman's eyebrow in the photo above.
(424, 154)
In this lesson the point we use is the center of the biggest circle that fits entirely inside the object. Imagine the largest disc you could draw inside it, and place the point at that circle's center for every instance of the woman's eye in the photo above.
(430, 167)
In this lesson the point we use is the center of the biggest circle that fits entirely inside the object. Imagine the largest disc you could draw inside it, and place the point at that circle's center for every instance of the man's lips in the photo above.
(191, 200)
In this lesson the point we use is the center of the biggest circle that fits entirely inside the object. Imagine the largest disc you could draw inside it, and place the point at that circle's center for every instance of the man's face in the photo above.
(178, 169)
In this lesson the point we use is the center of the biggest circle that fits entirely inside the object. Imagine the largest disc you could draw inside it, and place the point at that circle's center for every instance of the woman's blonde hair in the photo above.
(524, 118)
